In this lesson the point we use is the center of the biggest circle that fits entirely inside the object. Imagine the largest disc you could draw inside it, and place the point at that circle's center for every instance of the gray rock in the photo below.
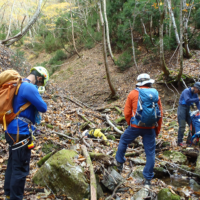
(137, 173)
(111, 180)
(63, 175)
(141, 194)
(138, 161)
(99, 189)
(194, 185)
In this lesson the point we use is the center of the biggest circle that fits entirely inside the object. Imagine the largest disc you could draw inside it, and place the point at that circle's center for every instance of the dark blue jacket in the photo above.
(27, 92)
(188, 98)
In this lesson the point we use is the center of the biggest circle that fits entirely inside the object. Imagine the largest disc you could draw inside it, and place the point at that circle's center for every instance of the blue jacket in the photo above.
(27, 92)
(188, 98)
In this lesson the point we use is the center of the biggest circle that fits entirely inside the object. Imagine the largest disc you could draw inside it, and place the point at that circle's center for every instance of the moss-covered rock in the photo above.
(175, 157)
(63, 175)
(165, 194)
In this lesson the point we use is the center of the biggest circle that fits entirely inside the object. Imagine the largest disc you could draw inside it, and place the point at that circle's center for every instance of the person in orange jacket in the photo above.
(139, 129)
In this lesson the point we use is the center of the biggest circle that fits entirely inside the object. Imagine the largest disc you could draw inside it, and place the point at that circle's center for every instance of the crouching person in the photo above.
(143, 113)
(18, 134)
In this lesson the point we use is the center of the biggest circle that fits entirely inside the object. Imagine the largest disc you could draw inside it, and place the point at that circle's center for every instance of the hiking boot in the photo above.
(119, 166)
(181, 144)
(147, 183)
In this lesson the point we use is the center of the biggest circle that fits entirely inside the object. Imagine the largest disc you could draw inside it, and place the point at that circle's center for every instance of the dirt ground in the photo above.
(85, 77)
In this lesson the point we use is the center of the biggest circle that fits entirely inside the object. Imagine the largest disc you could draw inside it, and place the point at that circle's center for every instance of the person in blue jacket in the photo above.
(19, 154)
(187, 98)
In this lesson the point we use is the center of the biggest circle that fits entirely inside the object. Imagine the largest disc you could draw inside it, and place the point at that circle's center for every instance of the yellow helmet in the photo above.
(43, 71)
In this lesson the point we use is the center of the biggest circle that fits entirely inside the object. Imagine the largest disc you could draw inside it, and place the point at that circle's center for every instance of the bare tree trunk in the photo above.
(133, 48)
(170, 22)
(166, 26)
(162, 56)
(173, 22)
(73, 31)
(181, 41)
(107, 30)
(151, 35)
(113, 91)
(10, 20)
(145, 32)
(17, 37)
(185, 21)
(98, 26)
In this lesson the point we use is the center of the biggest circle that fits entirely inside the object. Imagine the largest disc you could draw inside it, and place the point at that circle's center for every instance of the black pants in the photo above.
(17, 169)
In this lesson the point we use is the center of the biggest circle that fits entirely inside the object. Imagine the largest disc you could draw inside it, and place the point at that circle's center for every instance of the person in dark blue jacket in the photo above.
(187, 98)
(19, 154)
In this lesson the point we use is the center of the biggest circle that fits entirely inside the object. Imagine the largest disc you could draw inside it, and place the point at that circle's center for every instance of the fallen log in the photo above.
(93, 184)
(118, 110)
(120, 120)
(44, 159)
(62, 134)
(112, 125)
(85, 119)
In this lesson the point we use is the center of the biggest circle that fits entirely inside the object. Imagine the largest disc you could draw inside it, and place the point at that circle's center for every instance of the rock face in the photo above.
(63, 176)
(175, 157)
(138, 173)
(165, 194)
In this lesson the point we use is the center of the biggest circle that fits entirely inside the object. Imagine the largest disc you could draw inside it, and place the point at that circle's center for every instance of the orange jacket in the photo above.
(131, 107)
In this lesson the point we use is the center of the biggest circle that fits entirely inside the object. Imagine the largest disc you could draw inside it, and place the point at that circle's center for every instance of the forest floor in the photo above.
(80, 87)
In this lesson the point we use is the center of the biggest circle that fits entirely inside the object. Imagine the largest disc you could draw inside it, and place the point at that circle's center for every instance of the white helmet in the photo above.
(143, 79)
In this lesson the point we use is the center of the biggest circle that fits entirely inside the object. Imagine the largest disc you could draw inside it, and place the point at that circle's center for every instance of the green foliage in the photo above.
(197, 19)
(195, 42)
(51, 44)
(59, 56)
(124, 61)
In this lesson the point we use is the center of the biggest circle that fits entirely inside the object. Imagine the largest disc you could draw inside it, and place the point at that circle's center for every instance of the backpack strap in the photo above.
(24, 107)
(19, 82)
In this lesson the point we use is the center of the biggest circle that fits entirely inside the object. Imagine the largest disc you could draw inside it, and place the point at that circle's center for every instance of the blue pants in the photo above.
(183, 114)
(148, 138)
(17, 169)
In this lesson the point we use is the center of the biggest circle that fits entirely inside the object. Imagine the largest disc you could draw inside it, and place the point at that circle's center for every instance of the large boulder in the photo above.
(63, 176)
(165, 194)
(175, 156)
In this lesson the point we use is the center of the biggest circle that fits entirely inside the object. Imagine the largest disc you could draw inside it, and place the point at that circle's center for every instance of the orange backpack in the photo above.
(10, 81)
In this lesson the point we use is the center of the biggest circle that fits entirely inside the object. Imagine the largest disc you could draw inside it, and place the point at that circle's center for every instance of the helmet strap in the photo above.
(36, 81)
